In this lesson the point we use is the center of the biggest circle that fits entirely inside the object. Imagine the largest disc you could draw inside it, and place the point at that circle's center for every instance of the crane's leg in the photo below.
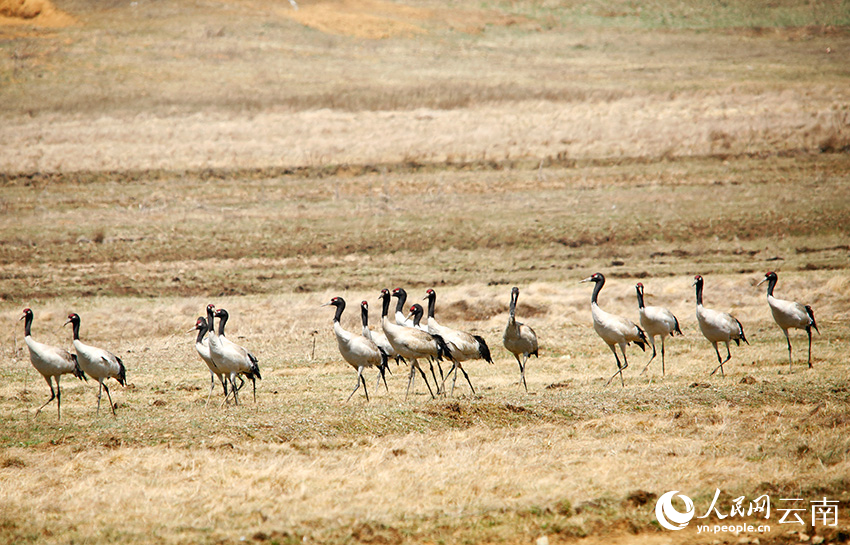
(443, 386)
(728, 357)
(356, 386)
(52, 395)
(254, 381)
(223, 380)
(435, 375)
(109, 397)
(809, 331)
(652, 357)
(788, 339)
(99, 393)
(212, 387)
(411, 379)
(522, 369)
(619, 367)
(425, 378)
(462, 370)
(663, 372)
(58, 399)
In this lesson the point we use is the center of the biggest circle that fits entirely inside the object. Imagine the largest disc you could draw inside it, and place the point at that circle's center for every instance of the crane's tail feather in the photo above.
(78, 371)
(442, 349)
(741, 333)
(811, 314)
(483, 349)
(122, 373)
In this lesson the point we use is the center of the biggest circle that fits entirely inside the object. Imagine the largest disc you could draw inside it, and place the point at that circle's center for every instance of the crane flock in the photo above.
(406, 340)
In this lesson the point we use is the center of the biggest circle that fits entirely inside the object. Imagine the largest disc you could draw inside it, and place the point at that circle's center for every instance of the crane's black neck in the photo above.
(222, 320)
(417, 314)
(27, 324)
(639, 296)
(364, 315)
(385, 304)
(699, 291)
(340, 306)
(75, 323)
(402, 299)
(202, 331)
(514, 298)
(771, 283)
(432, 303)
(210, 320)
(596, 289)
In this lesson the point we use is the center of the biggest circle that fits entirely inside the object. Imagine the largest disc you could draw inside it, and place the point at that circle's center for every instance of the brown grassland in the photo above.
(156, 156)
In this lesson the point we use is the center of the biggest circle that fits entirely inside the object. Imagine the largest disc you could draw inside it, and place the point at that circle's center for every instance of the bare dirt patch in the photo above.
(40, 13)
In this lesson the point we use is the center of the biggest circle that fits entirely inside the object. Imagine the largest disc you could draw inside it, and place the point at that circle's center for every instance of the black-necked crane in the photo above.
(51, 362)
(464, 346)
(519, 339)
(97, 363)
(400, 317)
(789, 314)
(202, 346)
(614, 330)
(378, 337)
(358, 350)
(232, 358)
(410, 343)
(718, 327)
(656, 321)
(416, 314)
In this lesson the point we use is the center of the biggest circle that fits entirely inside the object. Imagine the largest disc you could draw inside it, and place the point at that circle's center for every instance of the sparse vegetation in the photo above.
(159, 156)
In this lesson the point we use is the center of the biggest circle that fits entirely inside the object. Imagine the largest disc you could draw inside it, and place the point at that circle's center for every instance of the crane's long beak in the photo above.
(409, 316)
(588, 279)
(763, 280)
(66, 323)
(193, 329)
(325, 305)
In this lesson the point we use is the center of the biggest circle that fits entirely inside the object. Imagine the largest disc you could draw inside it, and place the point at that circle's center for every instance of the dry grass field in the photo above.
(157, 156)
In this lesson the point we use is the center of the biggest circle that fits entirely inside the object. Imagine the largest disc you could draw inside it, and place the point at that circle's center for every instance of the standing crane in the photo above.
(614, 330)
(718, 327)
(789, 314)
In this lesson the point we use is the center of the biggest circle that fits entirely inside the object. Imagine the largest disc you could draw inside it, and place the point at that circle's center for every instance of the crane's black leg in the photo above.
(356, 386)
(619, 367)
(521, 371)
(58, 399)
(652, 357)
(425, 378)
(52, 395)
(720, 360)
(788, 340)
(109, 397)
(462, 370)
(809, 331)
